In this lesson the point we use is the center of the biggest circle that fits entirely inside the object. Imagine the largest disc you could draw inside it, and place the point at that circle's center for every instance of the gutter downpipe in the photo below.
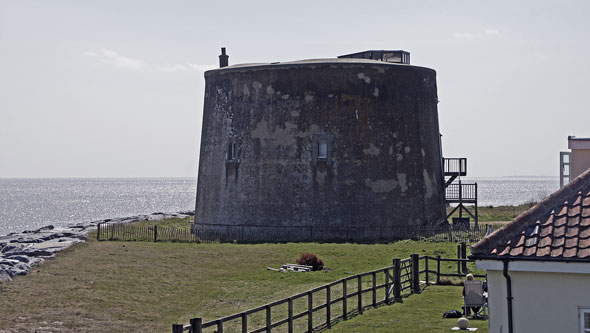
(508, 294)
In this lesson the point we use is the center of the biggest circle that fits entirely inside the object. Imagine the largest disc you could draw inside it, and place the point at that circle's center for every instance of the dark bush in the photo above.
(311, 259)
(444, 281)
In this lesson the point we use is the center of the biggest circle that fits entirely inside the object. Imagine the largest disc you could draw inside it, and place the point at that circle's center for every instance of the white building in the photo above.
(538, 265)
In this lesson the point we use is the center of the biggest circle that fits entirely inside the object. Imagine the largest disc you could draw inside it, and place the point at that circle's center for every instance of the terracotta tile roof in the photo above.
(556, 229)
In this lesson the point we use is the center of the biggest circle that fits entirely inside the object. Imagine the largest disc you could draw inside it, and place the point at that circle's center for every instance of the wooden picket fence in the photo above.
(322, 307)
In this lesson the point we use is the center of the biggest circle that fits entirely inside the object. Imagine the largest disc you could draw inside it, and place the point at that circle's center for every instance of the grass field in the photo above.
(134, 286)
(417, 314)
(486, 214)
(499, 214)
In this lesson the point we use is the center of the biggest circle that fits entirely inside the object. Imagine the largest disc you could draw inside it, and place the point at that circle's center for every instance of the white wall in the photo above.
(543, 302)
(497, 302)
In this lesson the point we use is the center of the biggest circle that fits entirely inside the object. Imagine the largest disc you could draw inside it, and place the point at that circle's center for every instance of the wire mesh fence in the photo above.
(257, 234)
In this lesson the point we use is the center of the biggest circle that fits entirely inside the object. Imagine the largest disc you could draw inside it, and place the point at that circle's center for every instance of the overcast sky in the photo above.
(115, 88)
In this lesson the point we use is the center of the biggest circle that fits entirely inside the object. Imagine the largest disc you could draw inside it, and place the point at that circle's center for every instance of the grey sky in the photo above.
(115, 88)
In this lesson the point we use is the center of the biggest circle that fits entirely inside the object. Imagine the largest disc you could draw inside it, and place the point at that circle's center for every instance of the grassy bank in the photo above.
(496, 214)
(133, 286)
(184, 223)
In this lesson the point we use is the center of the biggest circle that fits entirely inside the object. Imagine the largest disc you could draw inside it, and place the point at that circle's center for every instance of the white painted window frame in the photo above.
(565, 167)
(581, 312)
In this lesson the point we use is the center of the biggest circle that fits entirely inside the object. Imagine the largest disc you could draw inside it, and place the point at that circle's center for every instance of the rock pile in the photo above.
(21, 251)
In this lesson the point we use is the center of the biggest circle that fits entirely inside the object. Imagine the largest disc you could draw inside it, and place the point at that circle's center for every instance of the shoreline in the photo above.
(21, 251)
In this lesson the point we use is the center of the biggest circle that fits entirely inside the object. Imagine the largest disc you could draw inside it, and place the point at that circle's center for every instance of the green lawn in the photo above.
(417, 314)
(134, 286)
(486, 214)
(498, 214)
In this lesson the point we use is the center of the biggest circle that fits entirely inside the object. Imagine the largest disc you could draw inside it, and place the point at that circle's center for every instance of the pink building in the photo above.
(574, 162)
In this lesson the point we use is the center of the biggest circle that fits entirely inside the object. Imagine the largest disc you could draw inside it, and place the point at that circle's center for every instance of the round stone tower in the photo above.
(319, 150)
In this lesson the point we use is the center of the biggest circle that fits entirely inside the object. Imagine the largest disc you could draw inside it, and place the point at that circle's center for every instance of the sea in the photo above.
(28, 204)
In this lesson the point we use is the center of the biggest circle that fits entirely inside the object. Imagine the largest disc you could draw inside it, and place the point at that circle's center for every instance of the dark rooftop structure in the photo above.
(556, 229)
(393, 56)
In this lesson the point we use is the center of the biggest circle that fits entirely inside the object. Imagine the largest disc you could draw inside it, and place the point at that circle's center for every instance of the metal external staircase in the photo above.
(459, 193)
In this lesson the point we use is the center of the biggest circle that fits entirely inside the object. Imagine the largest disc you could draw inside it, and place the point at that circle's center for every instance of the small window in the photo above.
(323, 149)
(530, 233)
(391, 57)
(584, 320)
(232, 153)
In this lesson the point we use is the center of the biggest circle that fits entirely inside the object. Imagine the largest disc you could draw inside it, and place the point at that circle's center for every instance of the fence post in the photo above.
(309, 311)
(98, 232)
(458, 257)
(244, 323)
(415, 273)
(360, 293)
(464, 256)
(397, 286)
(426, 269)
(177, 328)
(476, 214)
(196, 325)
(438, 269)
(328, 312)
(290, 323)
(344, 300)
(387, 286)
(155, 233)
(374, 289)
(219, 326)
(268, 319)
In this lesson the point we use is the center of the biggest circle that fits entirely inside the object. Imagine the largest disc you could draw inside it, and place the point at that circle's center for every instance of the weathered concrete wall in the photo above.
(381, 124)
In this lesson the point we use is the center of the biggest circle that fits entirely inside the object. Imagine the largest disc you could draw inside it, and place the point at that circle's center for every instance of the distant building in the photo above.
(575, 162)
(538, 266)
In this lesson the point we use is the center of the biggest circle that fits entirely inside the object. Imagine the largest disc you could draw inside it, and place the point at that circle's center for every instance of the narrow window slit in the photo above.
(232, 153)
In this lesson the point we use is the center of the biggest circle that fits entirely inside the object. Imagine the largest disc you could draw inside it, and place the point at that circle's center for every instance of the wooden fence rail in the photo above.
(323, 306)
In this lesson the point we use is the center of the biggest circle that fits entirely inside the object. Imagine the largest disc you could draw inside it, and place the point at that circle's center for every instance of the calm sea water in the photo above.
(27, 204)
(504, 191)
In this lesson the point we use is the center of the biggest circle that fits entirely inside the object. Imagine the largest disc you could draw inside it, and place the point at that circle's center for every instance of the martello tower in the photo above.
(329, 149)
